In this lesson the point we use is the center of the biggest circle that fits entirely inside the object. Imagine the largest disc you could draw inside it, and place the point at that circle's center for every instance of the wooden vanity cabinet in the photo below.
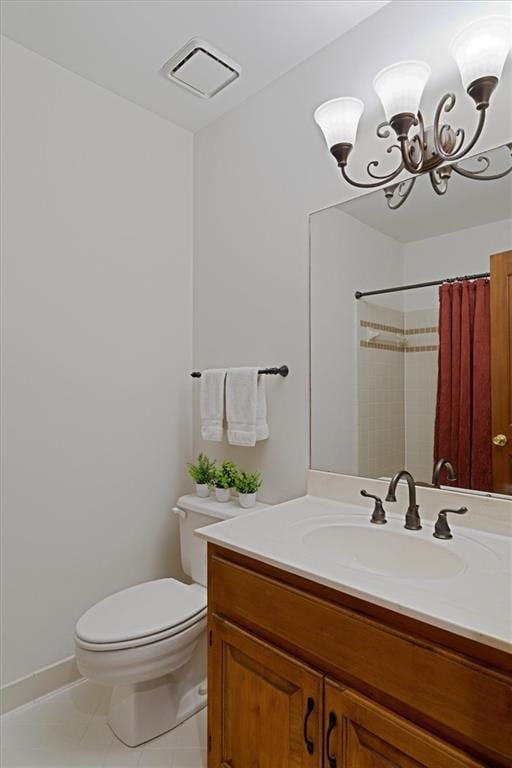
(303, 675)
(262, 702)
(362, 734)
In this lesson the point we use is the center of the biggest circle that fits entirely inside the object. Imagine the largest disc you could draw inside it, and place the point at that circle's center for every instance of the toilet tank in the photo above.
(193, 513)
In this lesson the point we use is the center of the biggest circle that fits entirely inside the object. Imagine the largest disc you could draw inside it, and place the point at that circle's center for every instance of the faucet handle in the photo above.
(441, 528)
(379, 513)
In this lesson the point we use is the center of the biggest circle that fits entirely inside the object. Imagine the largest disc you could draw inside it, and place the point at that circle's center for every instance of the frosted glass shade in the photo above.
(338, 119)
(480, 49)
(400, 87)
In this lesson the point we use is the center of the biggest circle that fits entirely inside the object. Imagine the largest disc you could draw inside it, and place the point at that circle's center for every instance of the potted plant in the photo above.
(224, 479)
(201, 473)
(247, 485)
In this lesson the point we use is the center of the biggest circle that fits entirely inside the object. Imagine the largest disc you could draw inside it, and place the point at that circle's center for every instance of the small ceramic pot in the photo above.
(247, 500)
(222, 494)
(202, 490)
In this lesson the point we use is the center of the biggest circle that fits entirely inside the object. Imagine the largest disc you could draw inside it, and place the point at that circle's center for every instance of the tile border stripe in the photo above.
(397, 348)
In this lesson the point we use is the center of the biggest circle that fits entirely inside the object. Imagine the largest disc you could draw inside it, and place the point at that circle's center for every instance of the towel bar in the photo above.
(283, 370)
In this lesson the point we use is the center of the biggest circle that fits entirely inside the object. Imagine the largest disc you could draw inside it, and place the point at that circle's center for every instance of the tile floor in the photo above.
(68, 729)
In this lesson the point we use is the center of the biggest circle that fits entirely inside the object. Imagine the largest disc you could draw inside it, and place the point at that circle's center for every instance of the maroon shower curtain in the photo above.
(463, 414)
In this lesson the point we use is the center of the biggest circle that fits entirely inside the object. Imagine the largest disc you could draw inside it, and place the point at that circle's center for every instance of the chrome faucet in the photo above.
(412, 516)
(450, 472)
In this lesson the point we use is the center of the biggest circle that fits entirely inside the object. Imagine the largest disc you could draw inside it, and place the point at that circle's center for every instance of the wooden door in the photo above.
(501, 364)
(362, 734)
(265, 709)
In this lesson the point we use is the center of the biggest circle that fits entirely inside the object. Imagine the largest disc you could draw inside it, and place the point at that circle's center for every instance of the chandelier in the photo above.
(480, 51)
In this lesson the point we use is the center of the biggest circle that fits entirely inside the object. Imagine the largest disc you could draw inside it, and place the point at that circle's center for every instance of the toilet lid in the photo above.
(146, 609)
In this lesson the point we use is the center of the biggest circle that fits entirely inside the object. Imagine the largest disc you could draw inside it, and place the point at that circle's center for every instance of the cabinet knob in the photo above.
(500, 440)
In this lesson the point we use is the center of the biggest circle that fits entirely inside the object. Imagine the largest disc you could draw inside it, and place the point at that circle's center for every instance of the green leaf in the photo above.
(201, 472)
(248, 482)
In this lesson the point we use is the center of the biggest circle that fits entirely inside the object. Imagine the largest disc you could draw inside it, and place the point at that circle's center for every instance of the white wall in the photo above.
(97, 286)
(344, 252)
(259, 171)
(96, 305)
(465, 252)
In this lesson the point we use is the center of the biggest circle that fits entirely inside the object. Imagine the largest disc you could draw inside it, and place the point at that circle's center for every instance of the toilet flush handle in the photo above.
(180, 512)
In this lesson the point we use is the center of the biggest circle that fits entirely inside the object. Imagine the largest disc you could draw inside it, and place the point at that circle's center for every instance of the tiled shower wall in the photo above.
(397, 383)
(381, 404)
(421, 391)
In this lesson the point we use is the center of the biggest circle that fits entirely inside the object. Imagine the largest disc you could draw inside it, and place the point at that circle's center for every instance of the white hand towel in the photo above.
(245, 406)
(262, 431)
(211, 403)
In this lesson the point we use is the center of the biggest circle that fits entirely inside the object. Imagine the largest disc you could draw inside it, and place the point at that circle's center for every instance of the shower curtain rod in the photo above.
(360, 294)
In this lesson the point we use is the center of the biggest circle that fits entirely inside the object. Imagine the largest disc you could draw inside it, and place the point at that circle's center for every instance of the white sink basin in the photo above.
(462, 585)
(378, 550)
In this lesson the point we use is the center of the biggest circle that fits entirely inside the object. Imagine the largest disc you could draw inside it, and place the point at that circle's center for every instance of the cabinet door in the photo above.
(265, 709)
(362, 734)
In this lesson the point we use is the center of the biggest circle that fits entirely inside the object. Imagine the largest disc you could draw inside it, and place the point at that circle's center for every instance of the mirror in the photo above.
(406, 374)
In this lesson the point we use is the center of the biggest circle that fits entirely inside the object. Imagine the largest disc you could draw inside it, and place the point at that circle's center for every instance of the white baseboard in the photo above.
(38, 684)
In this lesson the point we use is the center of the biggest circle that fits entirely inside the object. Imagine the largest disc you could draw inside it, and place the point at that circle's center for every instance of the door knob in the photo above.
(500, 440)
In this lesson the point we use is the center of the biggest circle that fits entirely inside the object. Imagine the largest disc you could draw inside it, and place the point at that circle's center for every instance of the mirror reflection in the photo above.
(411, 333)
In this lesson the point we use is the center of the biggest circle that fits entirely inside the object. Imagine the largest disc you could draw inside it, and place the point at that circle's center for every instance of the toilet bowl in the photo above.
(149, 641)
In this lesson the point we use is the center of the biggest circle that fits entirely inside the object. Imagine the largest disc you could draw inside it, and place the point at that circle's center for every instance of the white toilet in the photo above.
(149, 641)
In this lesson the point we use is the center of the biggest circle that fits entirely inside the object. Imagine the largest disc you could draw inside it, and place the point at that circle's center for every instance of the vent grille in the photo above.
(201, 69)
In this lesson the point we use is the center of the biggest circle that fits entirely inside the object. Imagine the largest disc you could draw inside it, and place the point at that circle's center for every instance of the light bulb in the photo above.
(400, 87)
(338, 119)
(480, 49)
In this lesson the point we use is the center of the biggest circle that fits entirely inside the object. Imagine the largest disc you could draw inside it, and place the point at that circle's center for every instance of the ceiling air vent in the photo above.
(201, 68)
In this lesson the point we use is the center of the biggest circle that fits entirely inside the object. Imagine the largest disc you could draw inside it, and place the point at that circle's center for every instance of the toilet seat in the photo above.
(141, 615)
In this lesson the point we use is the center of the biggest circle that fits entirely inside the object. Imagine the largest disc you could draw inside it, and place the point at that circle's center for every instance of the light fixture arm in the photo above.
(375, 163)
(446, 104)
(416, 145)
(479, 175)
(381, 179)
(446, 144)
(480, 50)
(342, 151)
(397, 194)
(440, 181)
